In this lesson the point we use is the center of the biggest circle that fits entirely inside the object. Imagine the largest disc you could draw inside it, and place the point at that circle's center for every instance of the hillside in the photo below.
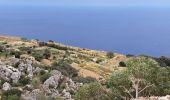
(37, 70)
(38, 57)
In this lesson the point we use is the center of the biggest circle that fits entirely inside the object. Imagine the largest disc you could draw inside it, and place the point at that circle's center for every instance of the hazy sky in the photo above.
(161, 3)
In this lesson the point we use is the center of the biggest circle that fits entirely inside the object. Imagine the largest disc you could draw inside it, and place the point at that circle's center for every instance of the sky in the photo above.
(162, 3)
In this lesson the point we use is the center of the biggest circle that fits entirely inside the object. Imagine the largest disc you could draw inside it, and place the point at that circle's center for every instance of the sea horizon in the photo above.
(125, 30)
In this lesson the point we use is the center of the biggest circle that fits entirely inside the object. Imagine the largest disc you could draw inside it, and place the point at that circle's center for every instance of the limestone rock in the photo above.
(31, 95)
(53, 81)
(26, 65)
(71, 86)
(66, 95)
(9, 73)
(6, 86)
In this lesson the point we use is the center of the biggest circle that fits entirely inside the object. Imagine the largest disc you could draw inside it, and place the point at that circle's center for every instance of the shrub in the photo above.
(24, 80)
(84, 79)
(44, 77)
(42, 72)
(51, 41)
(163, 61)
(2, 48)
(110, 55)
(3, 42)
(53, 45)
(38, 55)
(65, 69)
(36, 83)
(24, 39)
(1, 83)
(16, 53)
(27, 50)
(13, 94)
(122, 64)
(130, 55)
(47, 54)
(92, 91)
(42, 44)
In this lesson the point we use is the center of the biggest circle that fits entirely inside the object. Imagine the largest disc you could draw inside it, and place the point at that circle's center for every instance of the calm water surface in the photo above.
(123, 30)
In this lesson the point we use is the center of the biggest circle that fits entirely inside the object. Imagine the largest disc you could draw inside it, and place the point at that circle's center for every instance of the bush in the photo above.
(1, 83)
(44, 77)
(130, 55)
(38, 55)
(84, 79)
(16, 53)
(2, 48)
(57, 46)
(110, 55)
(93, 91)
(47, 54)
(42, 72)
(42, 44)
(13, 94)
(27, 50)
(163, 61)
(51, 41)
(24, 80)
(36, 83)
(65, 69)
(122, 64)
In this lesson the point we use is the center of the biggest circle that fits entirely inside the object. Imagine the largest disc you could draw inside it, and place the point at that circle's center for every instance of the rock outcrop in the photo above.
(6, 86)
(52, 82)
(26, 65)
(9, 73)
(31, 95)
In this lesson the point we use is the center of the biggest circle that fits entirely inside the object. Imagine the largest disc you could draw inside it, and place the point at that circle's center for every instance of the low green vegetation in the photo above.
(110, 55)
(13, 94)
(143, 77)
(44, 77)
(65, 69)
(24, 80)
(86, 74)
(41, 54)
(84, 79)
(93, 91)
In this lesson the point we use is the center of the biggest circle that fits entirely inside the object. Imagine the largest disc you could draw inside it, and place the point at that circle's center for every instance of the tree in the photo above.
(120, 85)
(140, 79)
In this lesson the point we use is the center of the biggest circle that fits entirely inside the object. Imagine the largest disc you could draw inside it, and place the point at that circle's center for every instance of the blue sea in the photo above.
(128, 30)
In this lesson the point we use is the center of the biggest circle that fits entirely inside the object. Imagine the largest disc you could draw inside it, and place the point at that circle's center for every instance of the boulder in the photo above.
(9, 73)
(66, 95)
(26, 65)
(53, 81)
(31, 95)
(6, 86)
(71, 86)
